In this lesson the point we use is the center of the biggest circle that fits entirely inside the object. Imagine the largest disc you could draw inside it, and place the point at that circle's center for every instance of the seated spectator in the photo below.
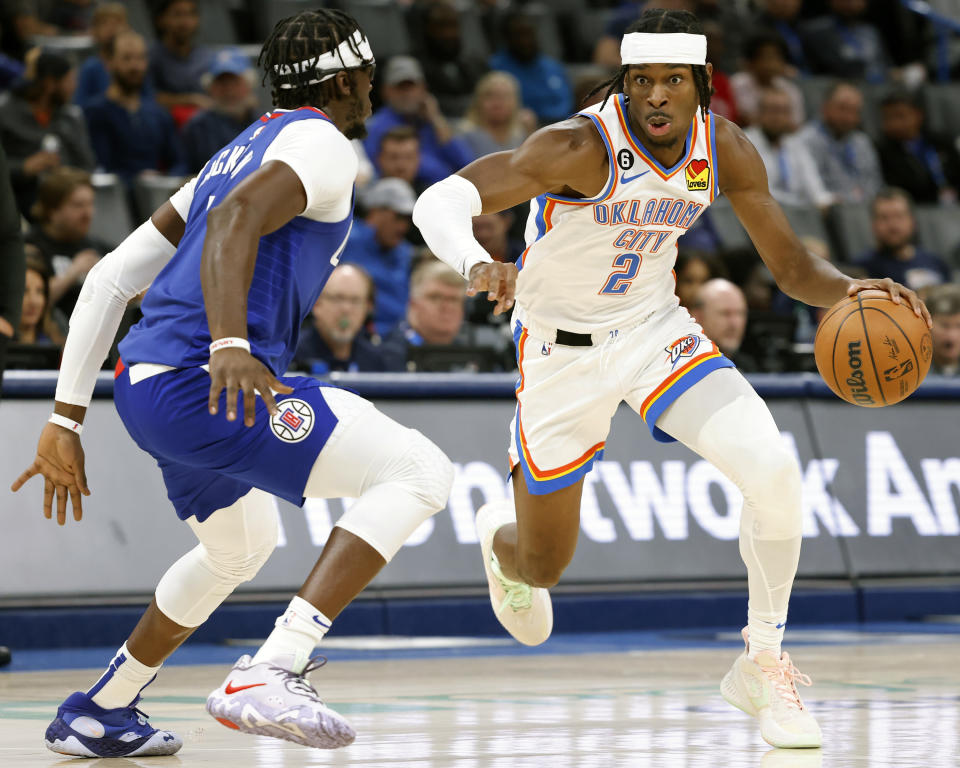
(543, 81)
(764, 66)
(843, 45)
(131, 132)
(722, 102)
(377, 244)
(434, 315)
(451, 74)
(692, 270)
(845, 156)
(944, 305)
(926, 166)
(40, 129)
(333, 341)
(492, 231)
(93, 77)
(896, 255)
(399, 157)
(495, 122)
(783, 17)
(721, 310)
(177, 63)
(64, 212)
(407, 102)
(791, 170)
(229, 85)
(36, 324)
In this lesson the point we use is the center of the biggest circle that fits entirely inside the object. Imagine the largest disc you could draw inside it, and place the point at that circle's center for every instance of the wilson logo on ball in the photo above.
(855, 380)
(293, 421)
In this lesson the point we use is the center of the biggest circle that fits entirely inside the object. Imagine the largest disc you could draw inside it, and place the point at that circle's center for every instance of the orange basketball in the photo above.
(872, 352)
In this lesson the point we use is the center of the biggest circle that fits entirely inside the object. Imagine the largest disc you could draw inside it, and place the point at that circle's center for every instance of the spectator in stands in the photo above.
(783, 17)
(399, 156)
(36, 323)
(377, 244)
(896, 255)
(543, 81)
(765, 66)
(93, 79)
(434, 315)
(693, 269)
(40, 129)
(492, 231)
(333, 341)
(926, 166)
(131, 132)
(407, 102)
(177, 63)
(841, 44)
(229, 84)
(722, 102)
(791, 170)
(845, 156)
(721, 310)
(64, 212)
(944, 305)
(11, 265)
(495, 121)
(451, 74)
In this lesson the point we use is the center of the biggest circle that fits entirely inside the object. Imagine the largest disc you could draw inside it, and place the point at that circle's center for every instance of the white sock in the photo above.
(296, 633)
(123, 681)
(765, 634)
(771, 566)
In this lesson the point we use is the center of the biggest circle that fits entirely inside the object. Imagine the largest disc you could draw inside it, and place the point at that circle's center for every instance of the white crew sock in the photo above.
(295, 635)
(123, 681)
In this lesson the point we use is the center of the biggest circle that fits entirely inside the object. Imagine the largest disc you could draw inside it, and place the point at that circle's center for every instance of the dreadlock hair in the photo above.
(301, 38)
(660, 20)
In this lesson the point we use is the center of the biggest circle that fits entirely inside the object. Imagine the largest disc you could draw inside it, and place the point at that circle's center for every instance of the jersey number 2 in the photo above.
(626, 266)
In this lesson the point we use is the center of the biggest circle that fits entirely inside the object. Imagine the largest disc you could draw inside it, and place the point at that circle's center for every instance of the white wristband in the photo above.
(229, 341)
(63, 421)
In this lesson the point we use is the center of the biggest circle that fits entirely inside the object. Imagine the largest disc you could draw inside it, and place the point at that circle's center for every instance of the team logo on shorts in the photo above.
(293, 421)
(681, 348)
(697, 175)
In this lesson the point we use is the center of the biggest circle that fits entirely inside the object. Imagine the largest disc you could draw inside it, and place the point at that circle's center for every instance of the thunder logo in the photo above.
(683, 347)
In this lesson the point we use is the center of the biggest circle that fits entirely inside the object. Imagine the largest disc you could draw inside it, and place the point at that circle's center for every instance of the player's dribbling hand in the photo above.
(60, 460)
(498, 280)
(236, 370)
(897, 293)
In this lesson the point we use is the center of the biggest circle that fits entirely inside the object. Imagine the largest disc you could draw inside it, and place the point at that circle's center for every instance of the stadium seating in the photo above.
(112, 221)
(140, 18)
(216, 23)
(942, 101)
(150, 192)
(384, 24)
(938, 230)
(852, 231)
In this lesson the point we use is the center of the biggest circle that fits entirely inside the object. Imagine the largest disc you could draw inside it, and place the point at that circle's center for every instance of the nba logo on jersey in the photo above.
(698, 175)
(293, 421)
(684, 347)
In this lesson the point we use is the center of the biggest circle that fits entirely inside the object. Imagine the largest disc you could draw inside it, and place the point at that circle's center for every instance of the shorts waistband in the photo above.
(578, 339)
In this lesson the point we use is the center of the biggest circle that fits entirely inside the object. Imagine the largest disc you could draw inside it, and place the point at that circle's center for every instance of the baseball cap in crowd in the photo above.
(403, 69)
(393, 194)
(229, 61)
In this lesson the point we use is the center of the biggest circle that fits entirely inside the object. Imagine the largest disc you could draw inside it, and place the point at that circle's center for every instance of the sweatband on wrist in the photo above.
(63, 421)
(229, 341)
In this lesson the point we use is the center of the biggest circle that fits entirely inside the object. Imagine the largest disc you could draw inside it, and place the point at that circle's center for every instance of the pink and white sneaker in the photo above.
(269, 701)
(766, 688)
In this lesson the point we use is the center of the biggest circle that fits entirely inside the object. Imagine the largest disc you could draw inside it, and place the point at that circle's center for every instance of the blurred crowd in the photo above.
(853, 105)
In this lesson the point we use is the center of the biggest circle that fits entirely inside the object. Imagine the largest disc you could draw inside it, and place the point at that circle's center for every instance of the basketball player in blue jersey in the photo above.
(597, 322)
(235, 261)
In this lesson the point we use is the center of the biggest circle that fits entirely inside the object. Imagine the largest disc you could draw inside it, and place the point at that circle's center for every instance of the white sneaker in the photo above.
(270, 701)
(766, 688)
(524, 611)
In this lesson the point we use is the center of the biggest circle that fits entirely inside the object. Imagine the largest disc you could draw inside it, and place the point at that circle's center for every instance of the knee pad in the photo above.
(429, 470)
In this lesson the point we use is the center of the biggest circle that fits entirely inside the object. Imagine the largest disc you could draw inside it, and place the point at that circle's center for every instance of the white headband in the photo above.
(329, 63)
(654, 48)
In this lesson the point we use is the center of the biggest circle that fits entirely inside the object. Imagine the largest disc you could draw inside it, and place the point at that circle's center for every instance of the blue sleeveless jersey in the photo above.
(293, 264)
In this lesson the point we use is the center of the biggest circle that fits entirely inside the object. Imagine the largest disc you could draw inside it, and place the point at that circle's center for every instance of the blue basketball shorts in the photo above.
(208, 462)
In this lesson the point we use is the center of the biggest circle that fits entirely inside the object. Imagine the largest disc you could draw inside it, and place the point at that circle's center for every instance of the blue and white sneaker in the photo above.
(84, 729)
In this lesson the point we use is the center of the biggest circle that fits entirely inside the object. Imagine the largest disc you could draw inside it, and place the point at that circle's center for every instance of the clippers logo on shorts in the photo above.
(697, 175)
(293, 421)
(684, 347)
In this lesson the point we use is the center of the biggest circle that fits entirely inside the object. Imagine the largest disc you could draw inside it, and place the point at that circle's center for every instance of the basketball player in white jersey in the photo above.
(597, 322)
(234, 262)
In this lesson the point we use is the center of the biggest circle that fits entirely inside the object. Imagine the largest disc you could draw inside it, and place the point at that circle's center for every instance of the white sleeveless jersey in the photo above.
(602, 262)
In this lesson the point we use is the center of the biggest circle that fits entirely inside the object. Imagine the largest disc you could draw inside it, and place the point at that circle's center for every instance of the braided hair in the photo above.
(659, 20)
(301, 38)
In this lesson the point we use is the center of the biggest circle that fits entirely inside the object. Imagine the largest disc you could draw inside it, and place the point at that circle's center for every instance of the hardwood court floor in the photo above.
(883, 701)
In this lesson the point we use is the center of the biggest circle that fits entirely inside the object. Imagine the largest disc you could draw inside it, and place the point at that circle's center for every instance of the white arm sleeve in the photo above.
(183, 198)
(117, 278)
(443, 215)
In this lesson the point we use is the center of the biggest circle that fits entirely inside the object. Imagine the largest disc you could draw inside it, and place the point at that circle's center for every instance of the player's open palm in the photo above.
(60, 460)
(236, 370)
(498, 280)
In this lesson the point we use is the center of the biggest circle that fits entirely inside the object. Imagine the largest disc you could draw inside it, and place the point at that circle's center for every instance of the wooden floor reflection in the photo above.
(880, 704)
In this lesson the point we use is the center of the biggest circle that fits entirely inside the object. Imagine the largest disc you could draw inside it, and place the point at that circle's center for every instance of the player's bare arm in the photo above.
(259, 205)
(566, 158)
(799, 274)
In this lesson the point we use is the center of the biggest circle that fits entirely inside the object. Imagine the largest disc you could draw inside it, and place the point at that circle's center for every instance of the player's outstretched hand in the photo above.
(897, 293)
(498, 280)
(60, 460)
(236, 370)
